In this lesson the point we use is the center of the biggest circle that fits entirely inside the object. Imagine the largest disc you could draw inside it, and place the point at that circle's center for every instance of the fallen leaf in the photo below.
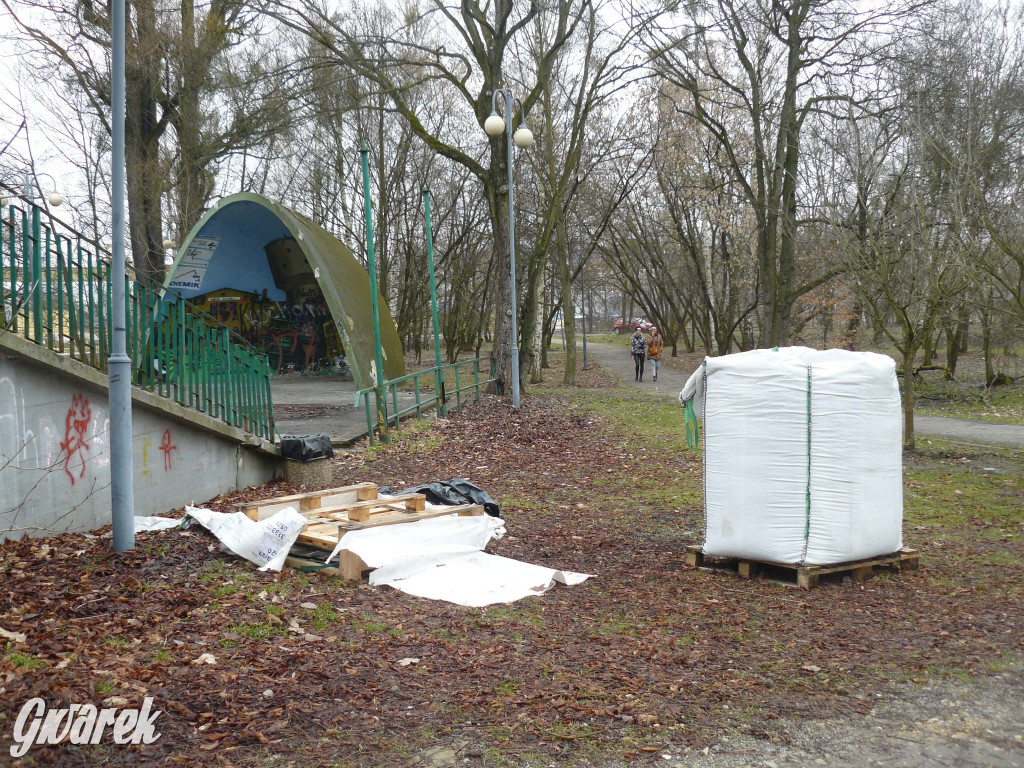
(16, 637)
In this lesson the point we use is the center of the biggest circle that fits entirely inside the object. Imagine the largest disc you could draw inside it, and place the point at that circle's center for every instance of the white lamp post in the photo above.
(523, 137)
(54, 198)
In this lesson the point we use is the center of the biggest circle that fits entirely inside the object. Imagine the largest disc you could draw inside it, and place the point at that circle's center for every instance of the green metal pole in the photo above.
(438, 374)
(379, 394)
(37, 277)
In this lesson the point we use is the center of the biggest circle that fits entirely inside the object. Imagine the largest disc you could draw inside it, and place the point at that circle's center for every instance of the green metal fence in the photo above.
(438, 396)
(55, 290)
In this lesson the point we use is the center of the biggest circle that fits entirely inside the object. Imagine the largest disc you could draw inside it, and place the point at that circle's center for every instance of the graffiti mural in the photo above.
(75, 443)
(290, 322)
(166, 446)
(296, 335)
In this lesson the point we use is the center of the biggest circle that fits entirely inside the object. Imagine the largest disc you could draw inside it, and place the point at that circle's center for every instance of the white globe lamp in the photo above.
(494, 125)
(523, 137)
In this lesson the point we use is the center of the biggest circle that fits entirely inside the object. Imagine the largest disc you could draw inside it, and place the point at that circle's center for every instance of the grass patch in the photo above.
(506, 689)
(952, 398)
(263, 631)
(216, 570)
(324, 617)
(414, 436)
(643, 422)
(371, 626)
(621, 339)
(25, 661)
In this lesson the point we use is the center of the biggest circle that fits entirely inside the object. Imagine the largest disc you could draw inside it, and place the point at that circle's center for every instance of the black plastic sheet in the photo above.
(457, 491)
(306, 447)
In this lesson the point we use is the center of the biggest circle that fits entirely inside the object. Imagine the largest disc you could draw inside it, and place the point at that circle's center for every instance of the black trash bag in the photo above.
(457, 491)
(306, 447)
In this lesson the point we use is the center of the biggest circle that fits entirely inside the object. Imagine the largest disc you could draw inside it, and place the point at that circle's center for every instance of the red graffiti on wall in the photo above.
(75, 442)
(166, 445)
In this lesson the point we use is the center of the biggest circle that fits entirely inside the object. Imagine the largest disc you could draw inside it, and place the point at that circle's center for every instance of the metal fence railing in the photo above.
(437, 395)
(55, 290)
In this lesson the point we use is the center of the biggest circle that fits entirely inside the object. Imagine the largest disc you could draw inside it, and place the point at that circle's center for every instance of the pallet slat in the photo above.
(807, 575)
(312, 500)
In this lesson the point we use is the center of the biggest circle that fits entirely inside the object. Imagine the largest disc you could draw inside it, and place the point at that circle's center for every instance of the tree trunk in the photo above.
(143, 128)
(986, 347)
(908, 399)
(568, 311)
(532, 330)
(952, 349)
(531, 320)
(194, 183)
(545, 340)
(497, 193)
(929, 348)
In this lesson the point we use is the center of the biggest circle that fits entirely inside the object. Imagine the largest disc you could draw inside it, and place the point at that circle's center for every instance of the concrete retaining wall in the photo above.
(54, 447)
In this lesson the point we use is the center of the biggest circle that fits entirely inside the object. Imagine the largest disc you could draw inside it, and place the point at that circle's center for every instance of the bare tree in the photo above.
(196, 76)
(778, 64)
(465, 50)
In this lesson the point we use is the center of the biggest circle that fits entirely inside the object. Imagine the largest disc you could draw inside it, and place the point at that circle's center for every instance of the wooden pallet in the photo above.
(307, 502)
(807, 575)
(335, 511)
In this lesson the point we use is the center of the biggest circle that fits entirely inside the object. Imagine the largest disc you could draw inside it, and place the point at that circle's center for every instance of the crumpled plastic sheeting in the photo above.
(442, 559)
(456, 491)
(265, 543)
(143, 523)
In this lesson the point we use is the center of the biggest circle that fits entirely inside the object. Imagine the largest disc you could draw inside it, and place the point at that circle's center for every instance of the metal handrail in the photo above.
(439, 399)
(55, 291)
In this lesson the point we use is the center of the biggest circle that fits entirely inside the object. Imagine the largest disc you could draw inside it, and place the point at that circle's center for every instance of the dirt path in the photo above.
(944, 723)
(617, 360)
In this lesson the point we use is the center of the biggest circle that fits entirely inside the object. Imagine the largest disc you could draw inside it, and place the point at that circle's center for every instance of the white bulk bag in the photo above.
(802, 455)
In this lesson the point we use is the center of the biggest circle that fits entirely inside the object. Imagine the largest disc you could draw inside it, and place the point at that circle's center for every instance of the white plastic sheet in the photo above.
(265, 543)
(442, 559)
(802, 455)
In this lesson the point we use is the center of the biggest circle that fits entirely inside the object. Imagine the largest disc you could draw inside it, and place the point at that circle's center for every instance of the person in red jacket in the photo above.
(654, 346)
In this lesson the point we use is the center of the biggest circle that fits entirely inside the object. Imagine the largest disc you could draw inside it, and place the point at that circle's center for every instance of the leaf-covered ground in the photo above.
(649, 658)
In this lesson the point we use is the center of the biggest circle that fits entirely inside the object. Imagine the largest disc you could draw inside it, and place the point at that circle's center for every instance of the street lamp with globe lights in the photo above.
(494, 126)
(55, 198)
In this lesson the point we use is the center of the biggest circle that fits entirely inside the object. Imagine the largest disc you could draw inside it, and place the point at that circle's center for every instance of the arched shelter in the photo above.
(287, 285)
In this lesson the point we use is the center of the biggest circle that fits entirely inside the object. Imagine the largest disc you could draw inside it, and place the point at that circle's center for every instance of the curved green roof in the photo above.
(244, 223)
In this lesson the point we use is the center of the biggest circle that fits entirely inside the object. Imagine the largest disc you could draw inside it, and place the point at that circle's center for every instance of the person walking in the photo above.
(638, 347)
(654, 346)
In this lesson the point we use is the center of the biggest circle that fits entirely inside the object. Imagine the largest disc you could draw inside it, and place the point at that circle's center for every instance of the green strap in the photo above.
(692, 427)
(807, 525)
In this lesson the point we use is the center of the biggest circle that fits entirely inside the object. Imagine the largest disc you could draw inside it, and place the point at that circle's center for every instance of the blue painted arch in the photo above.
(245, 224)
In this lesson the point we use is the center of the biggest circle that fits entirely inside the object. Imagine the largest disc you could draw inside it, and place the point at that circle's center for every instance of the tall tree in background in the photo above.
(465, 49)
(964, 80)
(778, 63)
(578, 136)
(196, 74)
